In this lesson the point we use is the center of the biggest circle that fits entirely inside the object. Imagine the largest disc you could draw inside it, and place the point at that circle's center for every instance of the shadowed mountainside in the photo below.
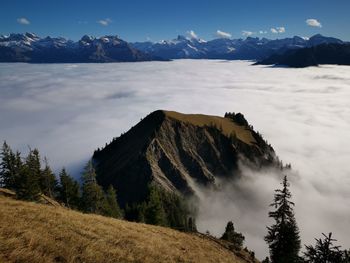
(177, 151)
(337, 54)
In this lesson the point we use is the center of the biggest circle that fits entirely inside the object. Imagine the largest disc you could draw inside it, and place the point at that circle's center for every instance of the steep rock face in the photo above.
(177, 151)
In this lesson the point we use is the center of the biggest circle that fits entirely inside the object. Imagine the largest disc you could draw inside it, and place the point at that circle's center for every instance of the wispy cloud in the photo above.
(23, 21)
(105, 22)
(278, 30)
(262, 32)
(247, 33)
(222, 34)
(192, 34)
(313, 22)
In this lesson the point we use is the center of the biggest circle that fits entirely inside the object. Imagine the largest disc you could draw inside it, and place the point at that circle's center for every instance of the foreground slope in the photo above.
(178, 152)
(32, 232)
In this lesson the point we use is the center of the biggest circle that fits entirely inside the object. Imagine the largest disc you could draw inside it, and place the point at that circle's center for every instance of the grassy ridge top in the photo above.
(227, 125)
(32, 232)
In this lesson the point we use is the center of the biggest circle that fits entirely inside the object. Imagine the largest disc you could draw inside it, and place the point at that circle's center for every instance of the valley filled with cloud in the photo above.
(69, 110)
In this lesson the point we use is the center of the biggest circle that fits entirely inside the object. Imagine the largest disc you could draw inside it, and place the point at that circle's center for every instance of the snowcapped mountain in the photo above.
(225, 48)
(30, 48)
(181, 47)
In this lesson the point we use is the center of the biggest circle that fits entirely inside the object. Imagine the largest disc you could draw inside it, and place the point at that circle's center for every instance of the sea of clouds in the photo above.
(68, 110)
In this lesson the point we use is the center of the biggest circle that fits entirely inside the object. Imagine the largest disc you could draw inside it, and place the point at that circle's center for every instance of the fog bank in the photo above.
(68, 110)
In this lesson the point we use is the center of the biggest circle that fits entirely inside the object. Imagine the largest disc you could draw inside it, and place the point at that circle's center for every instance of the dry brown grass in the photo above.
(228, 127)
(32, 232)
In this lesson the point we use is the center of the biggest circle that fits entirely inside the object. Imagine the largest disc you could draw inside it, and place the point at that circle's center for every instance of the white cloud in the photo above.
(313, 22)
(281, 29)
(23, 21)
(247, 33)
(192, 34)
(278, 30)
(262, 32)
(223, 34)
(305, 117)
(105, 22)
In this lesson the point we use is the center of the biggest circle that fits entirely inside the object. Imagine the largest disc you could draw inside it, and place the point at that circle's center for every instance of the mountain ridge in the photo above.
(332, 54)
(251, 48)
(176, 151)
(29, 47)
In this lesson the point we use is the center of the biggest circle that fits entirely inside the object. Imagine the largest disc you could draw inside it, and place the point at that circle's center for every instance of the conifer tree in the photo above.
(68, 190)
(33, 165)
(283, 236)
(325, 252)
(48, 181)
(93, 198)
(28, 185)
(232, 236)
(10, 167)
(155, 213)
(112, 208)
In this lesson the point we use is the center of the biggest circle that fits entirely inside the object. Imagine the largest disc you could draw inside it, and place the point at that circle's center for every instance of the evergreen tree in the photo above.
(136, 212)
(283, 237)
(33, 165)
(155, 213)
(191, 227)
(48, 181)
(232, 236)
(68, 190)
(28, 185)
(112, 208)
(325, 252)
(93, 198)
(10, 167)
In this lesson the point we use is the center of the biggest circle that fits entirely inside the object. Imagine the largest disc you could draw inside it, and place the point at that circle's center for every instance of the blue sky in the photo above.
(138, 20)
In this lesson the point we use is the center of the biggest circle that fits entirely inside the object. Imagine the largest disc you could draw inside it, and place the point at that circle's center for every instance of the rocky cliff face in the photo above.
(177, 151)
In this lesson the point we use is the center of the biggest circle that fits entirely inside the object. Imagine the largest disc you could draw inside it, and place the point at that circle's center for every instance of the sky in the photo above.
(69, 110)
(140, 20)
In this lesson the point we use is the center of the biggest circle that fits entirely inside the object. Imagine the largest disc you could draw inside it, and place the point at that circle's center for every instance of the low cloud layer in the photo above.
(313, 22)
(68, 110)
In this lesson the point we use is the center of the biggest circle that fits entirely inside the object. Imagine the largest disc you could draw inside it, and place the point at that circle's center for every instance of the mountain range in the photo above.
(29, 47)
(330, 53)
(231, 49)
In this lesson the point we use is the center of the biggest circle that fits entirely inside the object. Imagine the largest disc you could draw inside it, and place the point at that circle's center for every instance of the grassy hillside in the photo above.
(228, 126)
(32, 232)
